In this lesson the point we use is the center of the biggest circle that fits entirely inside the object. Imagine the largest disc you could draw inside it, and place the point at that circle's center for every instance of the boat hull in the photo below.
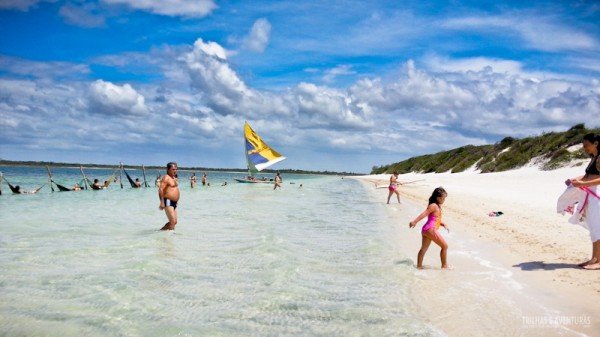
(248, 181)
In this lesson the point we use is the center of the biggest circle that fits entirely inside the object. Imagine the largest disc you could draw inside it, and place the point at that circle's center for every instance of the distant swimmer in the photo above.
(429, 232)
(97, 185)
(204, 177)
(76, 187)
(193, 180)
(137, 183)
(278, 181)
(17, 190)
(393, 188)
(168, 193)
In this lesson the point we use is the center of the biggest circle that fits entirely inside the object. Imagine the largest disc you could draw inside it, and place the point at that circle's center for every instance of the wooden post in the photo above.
(85, 182)
(121, 174)
(144, 170)
(50, 177)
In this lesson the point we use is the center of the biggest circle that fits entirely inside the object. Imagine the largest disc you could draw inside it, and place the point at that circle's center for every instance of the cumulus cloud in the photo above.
(210, 73)
(457, 97)
(183, 8)
(445, 64)
(259, 36)
(322, 107)
(408, 112)
(470, 102)
(111, 99)
(418, 89)
(307, 104)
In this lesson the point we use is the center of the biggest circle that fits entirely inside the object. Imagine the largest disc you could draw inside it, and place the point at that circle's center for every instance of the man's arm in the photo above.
(161, 191)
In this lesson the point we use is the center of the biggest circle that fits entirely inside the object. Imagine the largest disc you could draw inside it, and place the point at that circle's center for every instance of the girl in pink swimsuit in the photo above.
(429, 232)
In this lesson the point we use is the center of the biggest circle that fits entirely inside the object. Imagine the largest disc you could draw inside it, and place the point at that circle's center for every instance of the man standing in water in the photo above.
(168, 193)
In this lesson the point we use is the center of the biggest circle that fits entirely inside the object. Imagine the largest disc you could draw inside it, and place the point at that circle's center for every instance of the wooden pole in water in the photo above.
(1, 178)
(84, 177)
(50, 177)
(144, 170)
(121, 174)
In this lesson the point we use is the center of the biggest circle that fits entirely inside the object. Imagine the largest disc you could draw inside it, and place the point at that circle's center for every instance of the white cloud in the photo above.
(38, 69)
(340, 70)
(226, 93)
(21, 5)
(258, 38)
(183, 8)
(537, 32)
(444, 64)
(82, 16)
(207, 125)
(221, 87)
(460, 96)
(111, 99)
(322, 107)
(421, 90)
(591, 64)
(408, 112)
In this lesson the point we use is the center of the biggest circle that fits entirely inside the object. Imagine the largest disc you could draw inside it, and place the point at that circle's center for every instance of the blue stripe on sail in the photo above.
(255, 158)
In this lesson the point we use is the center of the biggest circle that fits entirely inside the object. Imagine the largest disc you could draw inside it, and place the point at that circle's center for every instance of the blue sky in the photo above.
(332, 85)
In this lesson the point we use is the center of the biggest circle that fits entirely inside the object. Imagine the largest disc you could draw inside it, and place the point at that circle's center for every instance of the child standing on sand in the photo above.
(429, 232)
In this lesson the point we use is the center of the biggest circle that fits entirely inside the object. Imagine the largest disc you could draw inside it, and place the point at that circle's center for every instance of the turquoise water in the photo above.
(244, 260)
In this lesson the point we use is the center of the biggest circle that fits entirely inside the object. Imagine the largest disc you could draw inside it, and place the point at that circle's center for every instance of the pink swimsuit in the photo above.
(433, 221)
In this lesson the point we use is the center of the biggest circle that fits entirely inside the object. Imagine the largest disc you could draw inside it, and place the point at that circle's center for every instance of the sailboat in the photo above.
(259, 156)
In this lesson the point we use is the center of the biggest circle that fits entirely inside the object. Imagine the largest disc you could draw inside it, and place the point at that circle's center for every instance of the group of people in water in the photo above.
(168, 192)
(204, 180)
(588, 184)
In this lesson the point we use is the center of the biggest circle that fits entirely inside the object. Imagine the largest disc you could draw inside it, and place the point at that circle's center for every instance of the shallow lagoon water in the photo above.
(244, 260)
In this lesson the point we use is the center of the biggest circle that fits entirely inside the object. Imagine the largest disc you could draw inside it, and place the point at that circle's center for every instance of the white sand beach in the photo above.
(533, 249)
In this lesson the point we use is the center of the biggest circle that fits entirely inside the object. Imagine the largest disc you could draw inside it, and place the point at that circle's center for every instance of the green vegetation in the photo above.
(551, 149)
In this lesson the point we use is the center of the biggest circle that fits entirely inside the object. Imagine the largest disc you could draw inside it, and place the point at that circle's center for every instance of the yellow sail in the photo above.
(258, 154)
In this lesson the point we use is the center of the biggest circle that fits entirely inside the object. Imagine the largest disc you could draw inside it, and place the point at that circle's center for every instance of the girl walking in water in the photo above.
(429, 232)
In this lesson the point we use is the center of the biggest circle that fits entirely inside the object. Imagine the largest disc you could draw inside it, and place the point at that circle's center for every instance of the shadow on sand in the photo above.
(541, 265)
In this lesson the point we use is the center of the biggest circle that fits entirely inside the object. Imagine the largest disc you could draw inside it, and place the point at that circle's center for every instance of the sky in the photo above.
(331, 85)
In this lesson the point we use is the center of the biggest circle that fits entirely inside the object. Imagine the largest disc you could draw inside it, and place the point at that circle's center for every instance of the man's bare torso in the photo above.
(170, 188)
